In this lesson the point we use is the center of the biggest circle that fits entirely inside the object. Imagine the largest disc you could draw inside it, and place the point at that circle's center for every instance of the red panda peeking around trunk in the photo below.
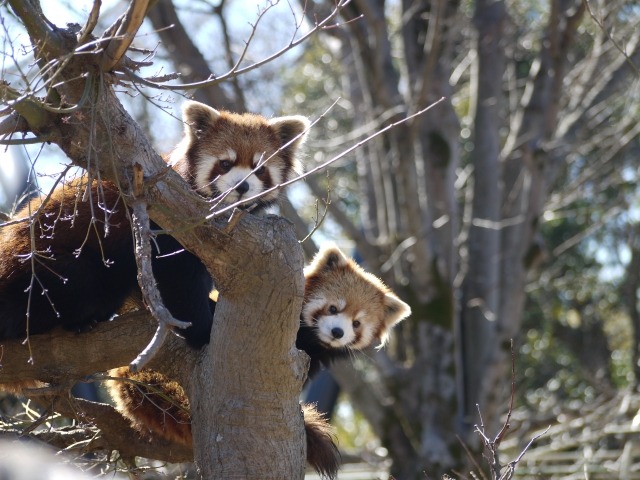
(344, 308)
(82, 275)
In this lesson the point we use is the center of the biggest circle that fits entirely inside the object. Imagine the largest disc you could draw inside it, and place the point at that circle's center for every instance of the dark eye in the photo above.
(261, 170)
(356, 324)
(333, 310)
(226, 164)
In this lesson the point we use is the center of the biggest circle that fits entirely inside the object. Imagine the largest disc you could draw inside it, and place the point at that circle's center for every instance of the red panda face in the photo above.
(346, 306)
(231, 157)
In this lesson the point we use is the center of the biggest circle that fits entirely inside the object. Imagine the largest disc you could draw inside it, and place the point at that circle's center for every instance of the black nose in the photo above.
(242, 188)
(337, 332)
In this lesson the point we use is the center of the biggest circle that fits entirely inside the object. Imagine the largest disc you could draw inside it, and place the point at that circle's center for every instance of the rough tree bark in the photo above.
(251, 363)
(463, 270)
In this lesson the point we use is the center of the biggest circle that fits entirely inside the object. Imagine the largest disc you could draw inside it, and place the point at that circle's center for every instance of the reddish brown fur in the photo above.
(322, 452)
(211, 134)
(66, 223)
(59, 209)
(332, 276)
(149, 412)
(16, 388)
(58, 214)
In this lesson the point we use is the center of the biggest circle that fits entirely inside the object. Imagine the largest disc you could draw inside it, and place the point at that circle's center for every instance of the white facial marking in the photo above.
(326, 325)
(232, 179)
(227, 181)
(312, 305)
(366, 336)
(204, 166)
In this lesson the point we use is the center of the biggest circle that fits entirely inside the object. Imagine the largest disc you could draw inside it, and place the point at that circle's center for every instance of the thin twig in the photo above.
(318, 221)
(92, 21)
(506, 425)
(466, 449)
(606, 32)
(140, 222)
(325, 164)
(43, 418)
(234, 72)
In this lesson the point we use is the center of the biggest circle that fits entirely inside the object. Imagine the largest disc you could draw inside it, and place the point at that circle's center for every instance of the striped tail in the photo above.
(322, 452)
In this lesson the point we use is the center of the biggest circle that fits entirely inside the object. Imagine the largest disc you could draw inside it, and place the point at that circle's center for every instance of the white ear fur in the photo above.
(395, 310)
(328, 258)
(197, 118)
(289, 128)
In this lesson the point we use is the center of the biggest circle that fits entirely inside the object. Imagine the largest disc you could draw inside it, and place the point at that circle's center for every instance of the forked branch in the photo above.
(146, 280)
(123, 37)
(497, 470)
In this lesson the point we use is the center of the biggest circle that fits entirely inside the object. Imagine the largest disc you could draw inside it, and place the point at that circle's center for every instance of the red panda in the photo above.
(344, 308)
(79, 277)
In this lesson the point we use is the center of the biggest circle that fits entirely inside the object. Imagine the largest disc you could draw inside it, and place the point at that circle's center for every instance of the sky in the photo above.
(274, 32)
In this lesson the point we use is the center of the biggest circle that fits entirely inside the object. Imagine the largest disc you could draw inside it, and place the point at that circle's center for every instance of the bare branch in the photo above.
(61, 354)
(608, 215)
(127, 30)
(146, 280)
(114, 432)
(317, 222)
(236, 71)
(364, 247)
(39, 29)
(186, 52)
(327, 163)
(287, 210)
(506, 425)
(466, 449)
(430, 58)
(606, 32)
(25, 105)
(92, 21)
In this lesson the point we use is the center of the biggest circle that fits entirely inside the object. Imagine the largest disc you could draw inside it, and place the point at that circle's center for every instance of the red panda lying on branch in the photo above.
(344, 309)
(92, 275)
(85, 276)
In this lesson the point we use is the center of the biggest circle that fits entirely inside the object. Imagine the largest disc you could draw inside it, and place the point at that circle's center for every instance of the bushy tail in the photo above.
(322, 452)
(16, 387)
(166, 420)
(152, 402)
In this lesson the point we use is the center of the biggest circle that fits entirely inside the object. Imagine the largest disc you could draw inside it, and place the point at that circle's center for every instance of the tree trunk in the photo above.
(251, 426)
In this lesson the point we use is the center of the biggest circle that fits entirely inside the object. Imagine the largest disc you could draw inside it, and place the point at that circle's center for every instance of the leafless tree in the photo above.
(451, 204)
(252, 427)
(540, 108)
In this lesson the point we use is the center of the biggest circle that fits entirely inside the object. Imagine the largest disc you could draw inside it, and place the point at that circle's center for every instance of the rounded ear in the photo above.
(288, 128)
(395, 310)
(328, 258)
(198, 118)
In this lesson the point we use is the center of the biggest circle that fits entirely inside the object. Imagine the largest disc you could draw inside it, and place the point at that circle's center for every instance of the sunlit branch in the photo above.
(234, 72)
(606, 32)
(92, 21)
(327, 163)
(39, 30)
(608, 215)
(146, 280)
(133, 18)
